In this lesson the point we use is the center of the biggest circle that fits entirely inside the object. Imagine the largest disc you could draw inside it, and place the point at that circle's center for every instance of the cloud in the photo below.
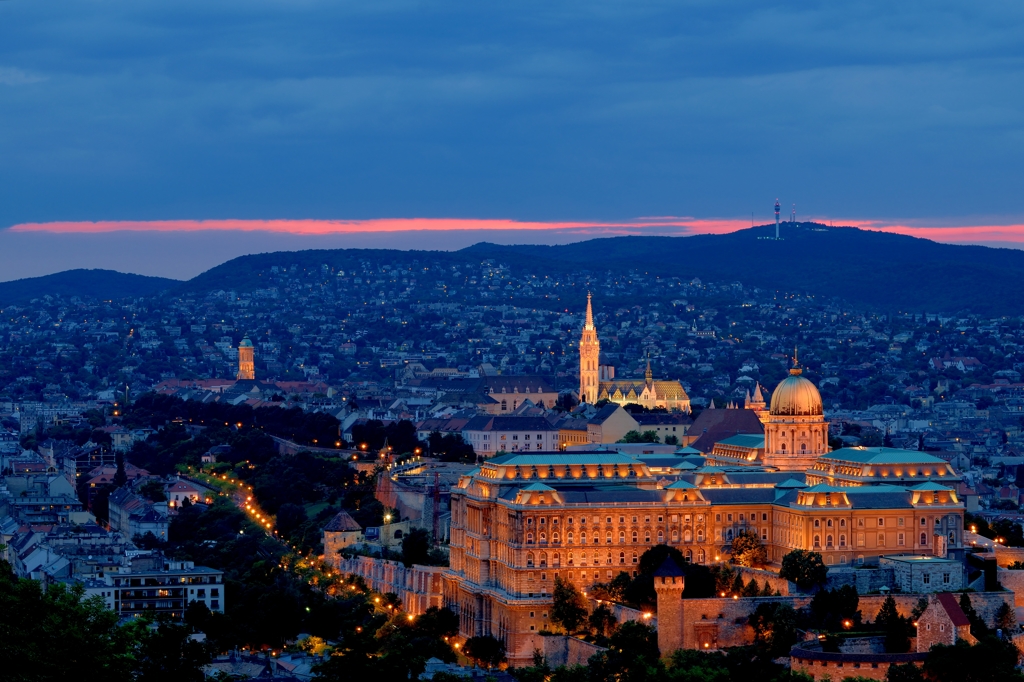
(543, 112)
(655, 225)
(12, 76)
(527, 230)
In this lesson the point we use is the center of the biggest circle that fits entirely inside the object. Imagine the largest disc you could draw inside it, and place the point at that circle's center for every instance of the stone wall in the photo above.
(782, 585)
(562, 650)
(718, 623)
(866, 580)
(1013, 581)
(1007, 555)
(419, 587)
(623, 613)
(808, 658)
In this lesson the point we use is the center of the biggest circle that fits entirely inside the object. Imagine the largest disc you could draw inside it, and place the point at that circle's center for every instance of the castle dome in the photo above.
(246, 343)
(795, 396)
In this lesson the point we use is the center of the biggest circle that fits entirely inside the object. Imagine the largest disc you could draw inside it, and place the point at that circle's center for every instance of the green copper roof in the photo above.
(539, 488)
(865, 455)
(931, 485)
(685, 465)
(680, 485)
(744, 440)
(526, 460)
(791, 483)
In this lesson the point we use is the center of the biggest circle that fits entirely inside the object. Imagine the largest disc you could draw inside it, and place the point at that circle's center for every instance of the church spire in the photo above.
(590, 313)
(649, 375)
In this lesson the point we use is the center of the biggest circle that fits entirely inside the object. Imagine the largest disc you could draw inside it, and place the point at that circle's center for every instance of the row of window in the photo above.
(570, 537)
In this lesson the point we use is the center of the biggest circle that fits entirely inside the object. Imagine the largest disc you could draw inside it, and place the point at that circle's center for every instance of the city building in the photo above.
(150, 584)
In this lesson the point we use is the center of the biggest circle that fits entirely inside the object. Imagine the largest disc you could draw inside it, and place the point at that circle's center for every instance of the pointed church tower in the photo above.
(758, 404)
(590, 356)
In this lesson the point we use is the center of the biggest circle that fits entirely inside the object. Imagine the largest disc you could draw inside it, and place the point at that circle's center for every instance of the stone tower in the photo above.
(668, 584)
(246, 364)
(590, 357)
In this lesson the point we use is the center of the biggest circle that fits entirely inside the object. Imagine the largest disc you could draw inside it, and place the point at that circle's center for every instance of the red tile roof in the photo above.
(953, 610)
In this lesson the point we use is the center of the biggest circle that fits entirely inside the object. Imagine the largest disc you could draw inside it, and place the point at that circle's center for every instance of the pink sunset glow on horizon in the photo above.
(660, 225)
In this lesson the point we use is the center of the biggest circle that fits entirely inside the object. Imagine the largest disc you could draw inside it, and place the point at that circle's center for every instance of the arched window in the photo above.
(622, 537)
(583, 537)
(700, 535)
(687, 535)
(554, 538)
(635, 558)
(622, 557)
(828, 541)
(647, 537)
(688, 556)
(783, 447)
(556, 559)
(924, 539)
(608, 537)
(675, 535)
(817, 541)
(529, 538)
(803, 447)
(568, 537)
(504, 406)
(842, 540)
(728, 534)
(529, 559)
(661, 537)
(700, 556)
(829, 523)
(543, 559)
(609, 559)
(842, 523)
(543, 538)
(570, 558)
(634, 537)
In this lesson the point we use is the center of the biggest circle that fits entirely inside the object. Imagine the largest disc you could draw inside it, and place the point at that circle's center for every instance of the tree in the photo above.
(774, 626)
(896, 627)
(671, 440)
(638, 437)
(416, 547)
(1006, 620)
(632, 654)
(485, 650)
(747, 549)
(907, 672)
(990, 660)
(569, 608)
(602, 620)
(120, 476)
(978, 626)
(804, 568)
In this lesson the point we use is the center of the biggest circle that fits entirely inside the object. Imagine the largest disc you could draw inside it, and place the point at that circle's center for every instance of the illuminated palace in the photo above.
(522, 519)
(598, 382)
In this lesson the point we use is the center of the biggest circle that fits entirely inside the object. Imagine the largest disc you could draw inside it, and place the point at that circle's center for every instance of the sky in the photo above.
(163, 138)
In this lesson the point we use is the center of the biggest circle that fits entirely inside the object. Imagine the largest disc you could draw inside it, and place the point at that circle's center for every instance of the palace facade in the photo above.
(522, 519)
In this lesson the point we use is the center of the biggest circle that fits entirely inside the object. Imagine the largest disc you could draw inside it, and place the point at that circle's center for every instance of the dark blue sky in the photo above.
(528, 110)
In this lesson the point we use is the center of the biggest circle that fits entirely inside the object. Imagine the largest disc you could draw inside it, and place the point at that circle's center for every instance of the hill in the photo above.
(93, 283)
(864, 268)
